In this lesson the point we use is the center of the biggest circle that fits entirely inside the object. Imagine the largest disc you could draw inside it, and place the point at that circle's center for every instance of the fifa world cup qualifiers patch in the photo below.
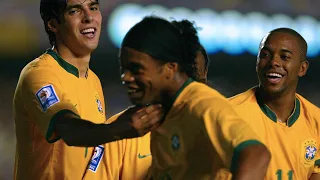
(47, 97)
(96, 158)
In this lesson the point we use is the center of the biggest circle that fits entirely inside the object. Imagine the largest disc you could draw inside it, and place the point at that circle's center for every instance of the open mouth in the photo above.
(89, 32)
(134, 93)
(274, 77)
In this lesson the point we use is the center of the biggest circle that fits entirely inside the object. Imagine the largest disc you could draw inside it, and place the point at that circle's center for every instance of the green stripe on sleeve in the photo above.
(317, 162)
(237, 151)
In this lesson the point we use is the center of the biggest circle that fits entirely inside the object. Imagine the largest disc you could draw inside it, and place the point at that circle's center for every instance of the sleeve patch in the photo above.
(96, 158)
(47, 97)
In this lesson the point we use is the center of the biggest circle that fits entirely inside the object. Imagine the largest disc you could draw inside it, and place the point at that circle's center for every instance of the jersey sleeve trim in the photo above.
(238, 149)
(50, 131)
(317, 162)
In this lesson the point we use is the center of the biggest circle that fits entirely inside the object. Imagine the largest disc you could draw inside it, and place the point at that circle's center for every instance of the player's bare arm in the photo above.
(315, 177)
(134, 122)
(252, 163)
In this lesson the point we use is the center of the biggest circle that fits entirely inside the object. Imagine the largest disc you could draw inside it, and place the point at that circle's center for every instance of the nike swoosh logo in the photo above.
(143, 156)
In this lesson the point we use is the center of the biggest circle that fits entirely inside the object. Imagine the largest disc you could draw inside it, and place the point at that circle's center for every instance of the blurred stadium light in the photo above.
(229, 31)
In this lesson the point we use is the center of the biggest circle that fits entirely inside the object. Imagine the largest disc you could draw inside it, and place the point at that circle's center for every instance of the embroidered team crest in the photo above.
(47, 97)
(309, 150)
(175, 142)
(99, 104)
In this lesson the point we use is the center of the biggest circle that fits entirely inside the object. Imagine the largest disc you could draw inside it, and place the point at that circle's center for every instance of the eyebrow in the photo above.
(286, 50)
(79, 6)
(265, 48)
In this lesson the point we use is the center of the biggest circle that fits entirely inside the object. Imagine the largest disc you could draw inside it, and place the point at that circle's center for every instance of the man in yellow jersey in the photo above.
(59, 104)
(285, 121)
(137, 156)
(201, 137)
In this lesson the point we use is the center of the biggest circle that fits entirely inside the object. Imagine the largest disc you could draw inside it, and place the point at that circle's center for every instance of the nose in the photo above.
(87, 16)
(126, 77)
(274, 61)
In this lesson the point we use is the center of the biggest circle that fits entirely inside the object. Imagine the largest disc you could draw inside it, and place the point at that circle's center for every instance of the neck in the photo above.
(283, 105)
(175, 88)
(81, 62)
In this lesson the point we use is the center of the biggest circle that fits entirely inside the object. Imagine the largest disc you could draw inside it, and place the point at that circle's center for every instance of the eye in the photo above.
(135, 69)
(73, 11)
(285, 57)
(264, 54)
(94, 8)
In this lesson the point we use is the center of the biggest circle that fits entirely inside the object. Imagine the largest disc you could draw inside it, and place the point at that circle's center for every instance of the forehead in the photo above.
(129, 55)
(80, 2)
(278, 41)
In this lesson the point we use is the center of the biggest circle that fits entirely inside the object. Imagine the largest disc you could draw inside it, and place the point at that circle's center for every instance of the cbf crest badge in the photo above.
(99, 104)
(308, 152)
(175, 142)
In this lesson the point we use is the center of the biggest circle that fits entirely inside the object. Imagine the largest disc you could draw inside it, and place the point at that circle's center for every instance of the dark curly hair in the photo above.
(166, 41)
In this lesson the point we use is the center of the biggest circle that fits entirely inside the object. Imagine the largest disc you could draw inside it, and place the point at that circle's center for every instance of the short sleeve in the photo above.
(316, 168)
(228, 133)
(44, 98)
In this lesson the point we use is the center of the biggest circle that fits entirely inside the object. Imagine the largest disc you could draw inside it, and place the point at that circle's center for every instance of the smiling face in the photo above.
(80, 29)
(145, 77)
(280, 63)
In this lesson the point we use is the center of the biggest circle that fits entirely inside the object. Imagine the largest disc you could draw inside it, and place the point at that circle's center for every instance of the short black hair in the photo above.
(191, 43)
(165, 41)
(52, 9)
(302, 42)
(200, 48)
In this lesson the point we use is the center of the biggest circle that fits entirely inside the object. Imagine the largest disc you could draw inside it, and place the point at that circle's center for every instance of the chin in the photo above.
(136, 102)
(273, 90)
(92, 47)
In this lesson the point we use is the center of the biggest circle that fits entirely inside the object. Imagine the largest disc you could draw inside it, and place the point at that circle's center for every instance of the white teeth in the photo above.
(274, 75)
(132, 90)
(89, 30)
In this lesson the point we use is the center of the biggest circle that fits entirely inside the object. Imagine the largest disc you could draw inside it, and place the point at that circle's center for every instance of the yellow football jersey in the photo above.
(129, 161)
(110, 164)
(200, 137)
(47, 86)
(293, 145)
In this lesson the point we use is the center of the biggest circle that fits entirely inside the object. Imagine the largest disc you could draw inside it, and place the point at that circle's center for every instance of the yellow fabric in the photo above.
(36, 158)
(288, 145)
(198, 136)
(129, 161)
(111, 162)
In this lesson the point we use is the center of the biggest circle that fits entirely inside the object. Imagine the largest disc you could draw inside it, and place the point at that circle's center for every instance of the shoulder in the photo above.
(202, 98)
(309, 107)
(243, 98)
(41, 69)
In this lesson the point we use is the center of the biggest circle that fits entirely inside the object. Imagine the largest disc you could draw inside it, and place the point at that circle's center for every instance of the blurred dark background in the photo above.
(22, 38)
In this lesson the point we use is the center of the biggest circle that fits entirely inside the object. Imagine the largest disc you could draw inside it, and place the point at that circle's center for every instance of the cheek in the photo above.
(99, 19)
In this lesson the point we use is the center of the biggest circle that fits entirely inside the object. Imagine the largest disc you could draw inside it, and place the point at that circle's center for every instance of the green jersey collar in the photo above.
(272, 115)
(64, 64)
